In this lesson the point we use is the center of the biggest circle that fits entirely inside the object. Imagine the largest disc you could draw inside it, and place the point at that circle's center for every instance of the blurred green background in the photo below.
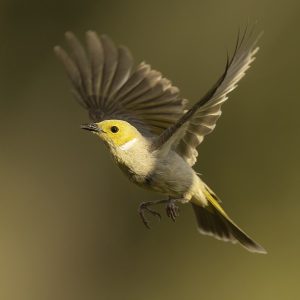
(68, 218)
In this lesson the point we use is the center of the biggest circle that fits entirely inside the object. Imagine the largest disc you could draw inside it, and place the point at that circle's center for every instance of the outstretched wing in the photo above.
(106, 84)
(201, 119)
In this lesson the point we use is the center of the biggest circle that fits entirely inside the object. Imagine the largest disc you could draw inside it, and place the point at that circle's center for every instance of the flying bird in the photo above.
(148, 129)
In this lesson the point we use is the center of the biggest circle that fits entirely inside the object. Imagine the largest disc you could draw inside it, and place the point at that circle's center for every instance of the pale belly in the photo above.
(170, 175)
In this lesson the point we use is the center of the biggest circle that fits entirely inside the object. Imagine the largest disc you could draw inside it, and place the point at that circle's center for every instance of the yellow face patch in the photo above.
(117, 132)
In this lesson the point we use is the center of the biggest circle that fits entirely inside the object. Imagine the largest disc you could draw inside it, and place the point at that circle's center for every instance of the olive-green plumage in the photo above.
(143, 121)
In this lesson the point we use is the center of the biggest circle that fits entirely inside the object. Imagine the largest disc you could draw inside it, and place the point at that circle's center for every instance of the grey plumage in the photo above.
(202, 117)
(108, 86)
(156, 137)
(212, 222)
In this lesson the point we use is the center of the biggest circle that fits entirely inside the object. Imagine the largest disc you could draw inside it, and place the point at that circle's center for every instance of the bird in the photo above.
(148, 128)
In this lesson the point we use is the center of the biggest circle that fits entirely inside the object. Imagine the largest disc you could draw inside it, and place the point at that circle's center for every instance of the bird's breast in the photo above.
(136, 165)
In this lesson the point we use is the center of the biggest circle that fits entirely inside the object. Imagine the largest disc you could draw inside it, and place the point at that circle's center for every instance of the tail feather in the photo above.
(213, 220)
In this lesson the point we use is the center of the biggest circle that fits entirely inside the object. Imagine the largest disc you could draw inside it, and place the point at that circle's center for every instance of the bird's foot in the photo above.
(143, 209)
(172, 209)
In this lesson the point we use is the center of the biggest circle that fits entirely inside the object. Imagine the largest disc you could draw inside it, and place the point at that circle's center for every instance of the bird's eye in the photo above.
(114, 129)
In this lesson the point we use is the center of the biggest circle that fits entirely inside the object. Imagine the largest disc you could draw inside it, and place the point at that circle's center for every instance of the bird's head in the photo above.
(116, 133)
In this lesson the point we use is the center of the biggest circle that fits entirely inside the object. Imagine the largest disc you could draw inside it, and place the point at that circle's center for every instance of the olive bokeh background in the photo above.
(68, 218)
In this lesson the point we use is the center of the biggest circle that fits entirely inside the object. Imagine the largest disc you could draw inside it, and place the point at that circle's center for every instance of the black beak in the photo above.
(90, 127)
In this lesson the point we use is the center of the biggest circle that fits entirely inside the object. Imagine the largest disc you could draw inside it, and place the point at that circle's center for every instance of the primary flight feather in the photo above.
(148, 129)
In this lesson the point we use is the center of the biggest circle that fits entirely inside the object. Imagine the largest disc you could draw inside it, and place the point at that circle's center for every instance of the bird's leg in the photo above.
(172, 209)
(144, 207)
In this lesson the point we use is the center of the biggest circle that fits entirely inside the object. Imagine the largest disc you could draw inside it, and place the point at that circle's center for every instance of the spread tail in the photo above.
(213, 220)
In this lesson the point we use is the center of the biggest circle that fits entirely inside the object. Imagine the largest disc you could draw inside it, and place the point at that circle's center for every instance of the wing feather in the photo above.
(81, 61)
(106, 83)
(110, 65)
(202, 117)
(95, 50)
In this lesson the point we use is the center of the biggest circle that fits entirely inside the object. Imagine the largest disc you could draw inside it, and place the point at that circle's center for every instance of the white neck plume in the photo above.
(128, 144)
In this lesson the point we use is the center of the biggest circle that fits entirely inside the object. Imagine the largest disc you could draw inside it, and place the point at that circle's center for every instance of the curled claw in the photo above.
(172, 210)
(143, 208)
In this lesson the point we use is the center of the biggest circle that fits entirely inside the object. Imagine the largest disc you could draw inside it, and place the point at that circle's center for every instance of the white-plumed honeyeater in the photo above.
(148, 129)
